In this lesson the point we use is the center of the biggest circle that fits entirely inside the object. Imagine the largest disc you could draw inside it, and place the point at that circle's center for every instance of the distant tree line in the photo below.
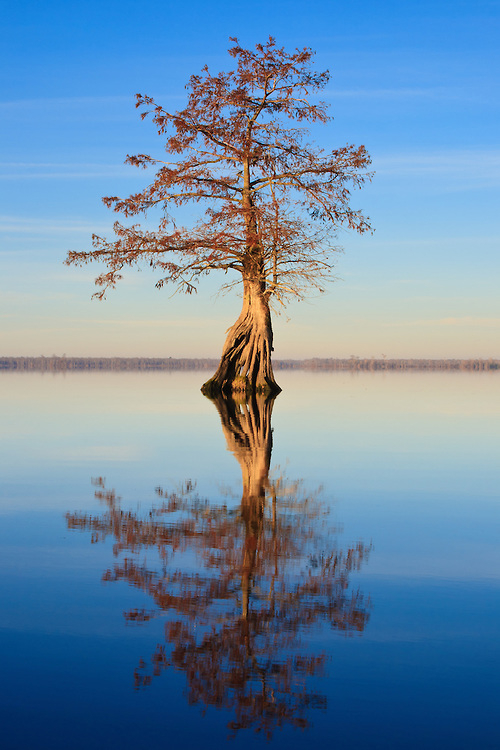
(371, 364)
(121, 364)
(116, 364)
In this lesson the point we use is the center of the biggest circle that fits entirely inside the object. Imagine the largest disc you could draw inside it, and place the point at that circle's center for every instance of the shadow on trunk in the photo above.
(267, 573)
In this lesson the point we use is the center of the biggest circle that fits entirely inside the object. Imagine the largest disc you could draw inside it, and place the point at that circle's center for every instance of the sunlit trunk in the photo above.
(245, 365)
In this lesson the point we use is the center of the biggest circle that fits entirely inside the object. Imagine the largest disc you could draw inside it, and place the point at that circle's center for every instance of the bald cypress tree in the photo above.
(269, 202)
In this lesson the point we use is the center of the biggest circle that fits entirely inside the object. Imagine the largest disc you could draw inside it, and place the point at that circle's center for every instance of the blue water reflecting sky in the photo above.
(406, 463)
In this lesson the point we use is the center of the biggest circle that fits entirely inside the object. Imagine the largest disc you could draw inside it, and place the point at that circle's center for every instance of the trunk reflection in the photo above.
(241, 586)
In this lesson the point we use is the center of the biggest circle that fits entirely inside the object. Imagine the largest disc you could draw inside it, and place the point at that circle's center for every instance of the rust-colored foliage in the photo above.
(270, 202)
(264, 574)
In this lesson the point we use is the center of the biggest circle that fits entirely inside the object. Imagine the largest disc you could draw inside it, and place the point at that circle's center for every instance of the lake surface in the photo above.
(181, 573)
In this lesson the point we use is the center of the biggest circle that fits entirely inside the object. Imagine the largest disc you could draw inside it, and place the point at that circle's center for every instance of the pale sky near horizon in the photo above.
(416, 82)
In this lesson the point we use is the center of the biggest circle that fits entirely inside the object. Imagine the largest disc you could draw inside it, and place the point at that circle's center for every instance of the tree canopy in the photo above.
(269, 201)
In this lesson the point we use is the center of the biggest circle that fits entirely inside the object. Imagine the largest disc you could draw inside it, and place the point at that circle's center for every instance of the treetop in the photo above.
(270, 201)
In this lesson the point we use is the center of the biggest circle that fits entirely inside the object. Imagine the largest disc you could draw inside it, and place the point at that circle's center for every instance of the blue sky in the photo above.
(416, 82)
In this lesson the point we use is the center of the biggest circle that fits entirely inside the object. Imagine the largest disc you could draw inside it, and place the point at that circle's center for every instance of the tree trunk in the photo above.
(245, 365)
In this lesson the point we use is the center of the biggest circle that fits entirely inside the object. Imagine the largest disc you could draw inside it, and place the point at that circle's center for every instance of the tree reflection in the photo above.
(240, 586)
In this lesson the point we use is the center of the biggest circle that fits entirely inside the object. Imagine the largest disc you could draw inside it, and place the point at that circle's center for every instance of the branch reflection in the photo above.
(240, 586)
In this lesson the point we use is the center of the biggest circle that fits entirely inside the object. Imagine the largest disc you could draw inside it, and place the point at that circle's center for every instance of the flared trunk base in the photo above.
(245, 366)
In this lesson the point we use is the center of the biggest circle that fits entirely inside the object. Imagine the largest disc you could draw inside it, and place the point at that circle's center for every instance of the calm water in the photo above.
(179, 573)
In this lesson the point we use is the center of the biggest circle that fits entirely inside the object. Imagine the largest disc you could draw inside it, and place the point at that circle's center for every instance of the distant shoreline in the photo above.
(353, 364)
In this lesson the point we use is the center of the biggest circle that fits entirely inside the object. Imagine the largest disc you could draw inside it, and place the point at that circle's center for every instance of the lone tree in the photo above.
(271, 202)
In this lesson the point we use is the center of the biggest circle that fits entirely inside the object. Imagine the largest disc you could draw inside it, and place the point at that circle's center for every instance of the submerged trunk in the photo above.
(245, 364)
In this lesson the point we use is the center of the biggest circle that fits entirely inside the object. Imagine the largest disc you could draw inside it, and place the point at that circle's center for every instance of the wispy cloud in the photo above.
(196, 323)
(117, 325)
(23, 225)
(462, 168)
(76, 101)
(404, 92)
(464, 321)
(469, 320)
(76, 109)
(70, 171)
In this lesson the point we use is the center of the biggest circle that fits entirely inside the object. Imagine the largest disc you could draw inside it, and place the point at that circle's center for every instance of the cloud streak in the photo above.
(466, 168)
(75, 101)
(466, 320)
(196, 323)
(71, 171)
(24, 225)
(470, 320)
(408, 92)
